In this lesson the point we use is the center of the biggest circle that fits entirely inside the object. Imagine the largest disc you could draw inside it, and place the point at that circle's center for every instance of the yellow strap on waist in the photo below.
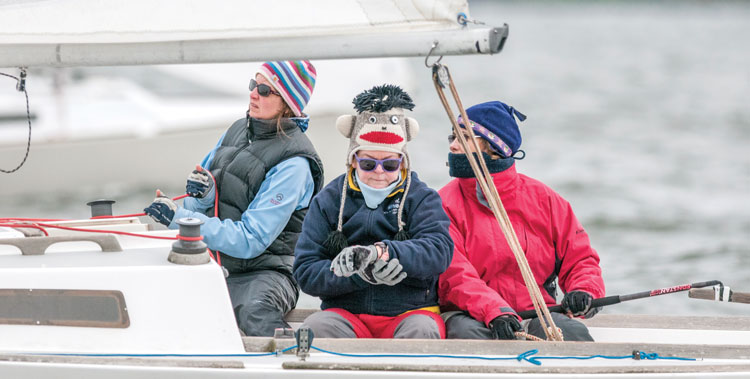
(434, 309)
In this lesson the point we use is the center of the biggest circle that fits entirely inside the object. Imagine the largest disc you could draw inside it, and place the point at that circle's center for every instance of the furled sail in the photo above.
(113, 32)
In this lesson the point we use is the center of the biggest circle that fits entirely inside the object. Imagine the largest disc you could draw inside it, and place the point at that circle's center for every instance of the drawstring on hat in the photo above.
(336, 240)
(402, 234)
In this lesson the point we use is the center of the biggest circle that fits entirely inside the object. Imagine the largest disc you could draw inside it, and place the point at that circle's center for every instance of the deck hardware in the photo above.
(281, 334)
(189, 249)
(304, 338)
(101, 207)
(434, 46)
(39, 245)
(442, 75)
(21, 85)
(463, 20)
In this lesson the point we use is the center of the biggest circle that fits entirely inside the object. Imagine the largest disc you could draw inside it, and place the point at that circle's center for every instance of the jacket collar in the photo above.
(266, 129)
(506, 182)
(354, 187)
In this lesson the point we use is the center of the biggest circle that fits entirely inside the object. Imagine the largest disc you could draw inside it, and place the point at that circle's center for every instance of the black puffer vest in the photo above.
(250, 148)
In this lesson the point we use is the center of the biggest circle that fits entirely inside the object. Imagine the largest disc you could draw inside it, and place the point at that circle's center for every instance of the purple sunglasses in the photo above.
(369, 164)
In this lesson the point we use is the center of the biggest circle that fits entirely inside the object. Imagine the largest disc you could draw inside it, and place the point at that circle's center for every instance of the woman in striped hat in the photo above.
(252, 191)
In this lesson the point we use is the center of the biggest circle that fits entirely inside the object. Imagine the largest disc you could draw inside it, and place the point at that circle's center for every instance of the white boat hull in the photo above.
(181, 324)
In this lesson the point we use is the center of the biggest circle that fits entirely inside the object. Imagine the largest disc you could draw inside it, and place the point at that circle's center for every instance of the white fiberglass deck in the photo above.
(171, 308)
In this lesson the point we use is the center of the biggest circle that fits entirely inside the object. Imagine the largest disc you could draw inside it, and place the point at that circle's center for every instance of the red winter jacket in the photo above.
(483, 277)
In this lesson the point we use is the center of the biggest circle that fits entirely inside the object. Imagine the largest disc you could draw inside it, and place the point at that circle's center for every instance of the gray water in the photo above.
(637, 114)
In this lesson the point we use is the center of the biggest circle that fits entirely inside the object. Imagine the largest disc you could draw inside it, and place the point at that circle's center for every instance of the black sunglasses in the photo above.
(368, 164)
(263, 89)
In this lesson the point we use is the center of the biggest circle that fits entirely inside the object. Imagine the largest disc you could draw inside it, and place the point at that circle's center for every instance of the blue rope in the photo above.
(641, 356)
(414, 355)
(528, 356)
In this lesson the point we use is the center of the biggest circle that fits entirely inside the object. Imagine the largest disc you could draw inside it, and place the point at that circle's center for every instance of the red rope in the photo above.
(180, 197)
(12, 219)
(130, 215)
(137, 214)
(105, 231)
(184, 238)
(39, 224)
(216, 212)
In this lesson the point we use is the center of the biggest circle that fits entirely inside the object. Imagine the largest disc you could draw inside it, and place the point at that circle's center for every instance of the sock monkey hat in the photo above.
(380, 125)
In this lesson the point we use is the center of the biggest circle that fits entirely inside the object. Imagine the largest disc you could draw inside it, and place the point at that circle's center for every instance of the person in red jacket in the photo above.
(483, 283)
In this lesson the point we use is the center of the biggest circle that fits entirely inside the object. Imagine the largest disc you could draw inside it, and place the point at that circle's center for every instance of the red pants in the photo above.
(370, 326)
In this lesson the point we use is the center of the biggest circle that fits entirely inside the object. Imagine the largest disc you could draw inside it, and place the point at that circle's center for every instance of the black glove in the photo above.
(504, 327)
(578, 303)
(162, 209)
(199, 183)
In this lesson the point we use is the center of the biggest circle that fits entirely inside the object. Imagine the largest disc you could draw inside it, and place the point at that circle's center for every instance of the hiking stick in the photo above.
(609, 300)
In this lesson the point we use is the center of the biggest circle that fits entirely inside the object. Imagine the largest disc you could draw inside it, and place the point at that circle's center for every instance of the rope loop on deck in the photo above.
(528, 356)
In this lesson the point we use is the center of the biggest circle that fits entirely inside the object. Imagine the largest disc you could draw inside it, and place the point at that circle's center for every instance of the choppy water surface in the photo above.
(637, 114)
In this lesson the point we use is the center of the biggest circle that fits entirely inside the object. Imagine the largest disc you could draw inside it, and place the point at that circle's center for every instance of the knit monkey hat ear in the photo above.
(380, 123)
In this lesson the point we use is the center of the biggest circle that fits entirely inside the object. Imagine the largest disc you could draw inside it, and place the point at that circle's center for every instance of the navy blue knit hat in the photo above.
(494, 122)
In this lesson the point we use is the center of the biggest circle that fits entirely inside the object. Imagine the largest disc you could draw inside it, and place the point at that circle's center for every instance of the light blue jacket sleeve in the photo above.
(287, 187)
(202, 204)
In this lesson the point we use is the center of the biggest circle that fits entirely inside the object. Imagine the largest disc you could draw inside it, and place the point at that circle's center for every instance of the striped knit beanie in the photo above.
(294, 80)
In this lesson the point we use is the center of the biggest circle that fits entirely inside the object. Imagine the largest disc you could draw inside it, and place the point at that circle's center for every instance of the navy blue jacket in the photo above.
(424, 256)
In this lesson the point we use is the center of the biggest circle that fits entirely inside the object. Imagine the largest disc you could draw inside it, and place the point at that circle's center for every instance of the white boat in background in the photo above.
(90, 123)
(121, 306)
(89, 129)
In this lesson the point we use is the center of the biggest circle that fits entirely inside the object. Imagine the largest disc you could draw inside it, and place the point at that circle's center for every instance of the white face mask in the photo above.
(375, 196)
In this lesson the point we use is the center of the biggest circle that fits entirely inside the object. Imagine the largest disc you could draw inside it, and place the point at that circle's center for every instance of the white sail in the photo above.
(94, 33)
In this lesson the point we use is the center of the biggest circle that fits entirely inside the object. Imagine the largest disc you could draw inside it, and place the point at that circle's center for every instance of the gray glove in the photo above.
(199, 183)
(353, 259)
(389, 273)
(162, 209)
